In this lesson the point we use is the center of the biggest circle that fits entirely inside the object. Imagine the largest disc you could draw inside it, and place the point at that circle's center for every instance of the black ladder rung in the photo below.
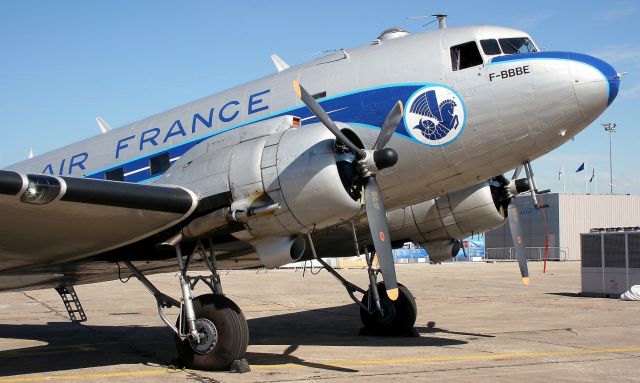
(70, 299)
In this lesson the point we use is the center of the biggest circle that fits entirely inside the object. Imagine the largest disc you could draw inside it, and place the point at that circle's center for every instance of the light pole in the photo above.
(611, 128)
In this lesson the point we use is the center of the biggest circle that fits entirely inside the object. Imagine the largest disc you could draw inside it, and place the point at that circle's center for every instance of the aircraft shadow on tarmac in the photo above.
(65, 346)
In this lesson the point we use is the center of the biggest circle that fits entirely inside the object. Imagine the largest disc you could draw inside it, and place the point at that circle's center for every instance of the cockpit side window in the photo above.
(465, 56)
(490, 47)
(517, 45)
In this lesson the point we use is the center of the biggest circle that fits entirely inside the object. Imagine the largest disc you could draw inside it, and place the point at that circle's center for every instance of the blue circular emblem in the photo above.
(435, 115)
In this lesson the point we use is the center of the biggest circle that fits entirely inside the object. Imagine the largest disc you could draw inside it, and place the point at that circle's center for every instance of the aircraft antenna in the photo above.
(442, 21)
(104, 127)
(440, 18)
(279, 63)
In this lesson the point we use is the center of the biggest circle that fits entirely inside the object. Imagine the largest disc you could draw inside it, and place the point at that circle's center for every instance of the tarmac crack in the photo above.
(46, 305)
(112, 339)
(569, 329)
(194, 375)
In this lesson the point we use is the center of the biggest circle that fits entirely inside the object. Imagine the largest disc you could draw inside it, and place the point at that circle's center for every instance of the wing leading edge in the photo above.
(46, 220)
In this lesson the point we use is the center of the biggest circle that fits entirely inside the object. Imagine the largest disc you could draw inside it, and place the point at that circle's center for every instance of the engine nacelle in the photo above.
(452, 216)
(274, 177)
(299, 172)
(440, 251)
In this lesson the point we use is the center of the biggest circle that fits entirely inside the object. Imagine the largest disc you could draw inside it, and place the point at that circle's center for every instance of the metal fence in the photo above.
(532, 253)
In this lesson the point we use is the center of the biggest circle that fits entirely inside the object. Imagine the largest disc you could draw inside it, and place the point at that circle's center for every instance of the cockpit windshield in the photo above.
(517, 45)
(508, 46)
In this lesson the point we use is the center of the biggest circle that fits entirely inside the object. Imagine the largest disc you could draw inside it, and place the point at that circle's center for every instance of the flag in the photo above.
(560, 173)
(593, 175)
(581, 168)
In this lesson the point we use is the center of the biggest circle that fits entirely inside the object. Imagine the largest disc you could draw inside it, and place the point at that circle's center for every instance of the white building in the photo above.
(567, 216)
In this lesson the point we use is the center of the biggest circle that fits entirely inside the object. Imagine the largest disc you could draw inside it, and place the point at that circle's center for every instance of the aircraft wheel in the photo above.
(223, 331)
(399, 316)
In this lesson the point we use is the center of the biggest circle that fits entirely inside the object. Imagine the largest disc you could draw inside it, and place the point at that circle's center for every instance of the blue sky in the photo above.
(63, 63)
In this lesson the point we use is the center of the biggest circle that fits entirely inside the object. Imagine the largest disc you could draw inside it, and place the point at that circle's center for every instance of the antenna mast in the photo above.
(442, 21)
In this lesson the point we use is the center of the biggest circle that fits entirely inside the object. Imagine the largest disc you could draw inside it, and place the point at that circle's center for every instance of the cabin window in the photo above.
(116, 174)
(159, 164)
(517, 45)
(490, 47)
(465, 56)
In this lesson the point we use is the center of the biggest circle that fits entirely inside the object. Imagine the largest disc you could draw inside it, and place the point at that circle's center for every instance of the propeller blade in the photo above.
(464, 252)
(516, 172)
(380, 234)
(317, 110)
(518, 240)
(389, 126)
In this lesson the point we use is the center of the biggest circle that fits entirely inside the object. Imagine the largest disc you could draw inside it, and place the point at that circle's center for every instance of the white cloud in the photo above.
(626, 55)
(631, 90)
(533, 19)
(616, 14)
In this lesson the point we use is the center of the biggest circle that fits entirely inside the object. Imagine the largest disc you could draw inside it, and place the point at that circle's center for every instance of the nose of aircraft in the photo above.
(595, 82)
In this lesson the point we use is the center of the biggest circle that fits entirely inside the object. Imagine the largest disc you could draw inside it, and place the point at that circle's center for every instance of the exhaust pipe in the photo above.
(440, 251)
(277, 251)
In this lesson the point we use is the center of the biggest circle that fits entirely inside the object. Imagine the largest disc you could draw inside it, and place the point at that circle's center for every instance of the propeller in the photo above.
(369, 162)
(518, 240)
(316, 109)
(515, 226)
(509, 189)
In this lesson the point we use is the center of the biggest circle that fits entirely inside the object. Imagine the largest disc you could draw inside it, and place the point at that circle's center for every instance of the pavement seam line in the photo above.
(335, 364)
(456, 358)
(88, 376)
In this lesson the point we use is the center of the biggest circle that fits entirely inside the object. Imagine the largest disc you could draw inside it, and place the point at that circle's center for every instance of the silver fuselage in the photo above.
(515, 108)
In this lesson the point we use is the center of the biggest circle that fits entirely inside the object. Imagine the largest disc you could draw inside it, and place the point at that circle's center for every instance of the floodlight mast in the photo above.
(611, 128)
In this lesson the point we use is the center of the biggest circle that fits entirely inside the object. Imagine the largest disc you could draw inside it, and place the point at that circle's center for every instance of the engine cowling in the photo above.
(299, 172)
(438, 222)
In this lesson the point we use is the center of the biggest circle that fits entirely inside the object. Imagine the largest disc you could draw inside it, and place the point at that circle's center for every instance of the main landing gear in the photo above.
(379, 315)
(211, 332)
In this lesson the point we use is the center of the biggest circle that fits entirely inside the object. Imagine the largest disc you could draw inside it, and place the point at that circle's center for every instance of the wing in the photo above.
(48, 220)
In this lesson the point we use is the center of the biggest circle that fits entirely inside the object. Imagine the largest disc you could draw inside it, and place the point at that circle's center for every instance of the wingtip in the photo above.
(393, 294)
(525, 281)
(296, 88)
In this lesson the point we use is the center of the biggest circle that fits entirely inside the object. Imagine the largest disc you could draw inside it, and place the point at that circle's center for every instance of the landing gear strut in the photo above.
(379, 314)
(211, 332)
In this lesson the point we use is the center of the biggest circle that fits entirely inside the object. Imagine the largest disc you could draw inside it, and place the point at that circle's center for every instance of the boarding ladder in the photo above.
(72, 303)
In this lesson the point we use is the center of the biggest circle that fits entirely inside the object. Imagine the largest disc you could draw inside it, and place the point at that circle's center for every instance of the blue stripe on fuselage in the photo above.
(605, 68)
(367, 106)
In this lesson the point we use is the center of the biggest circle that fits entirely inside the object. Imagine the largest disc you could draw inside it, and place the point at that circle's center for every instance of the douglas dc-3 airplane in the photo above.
(406, 138)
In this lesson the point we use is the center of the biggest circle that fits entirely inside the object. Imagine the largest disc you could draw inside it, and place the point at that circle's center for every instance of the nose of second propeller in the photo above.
(385, 158)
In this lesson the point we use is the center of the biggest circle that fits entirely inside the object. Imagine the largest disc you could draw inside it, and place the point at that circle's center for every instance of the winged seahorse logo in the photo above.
(440, 118)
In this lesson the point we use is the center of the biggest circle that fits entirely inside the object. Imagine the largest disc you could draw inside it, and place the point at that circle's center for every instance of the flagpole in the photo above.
(564, 182)
(586, 185)
(595, 181)
(582, 168)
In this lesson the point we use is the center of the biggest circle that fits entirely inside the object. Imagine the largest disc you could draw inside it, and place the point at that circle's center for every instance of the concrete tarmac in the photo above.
(477, 322)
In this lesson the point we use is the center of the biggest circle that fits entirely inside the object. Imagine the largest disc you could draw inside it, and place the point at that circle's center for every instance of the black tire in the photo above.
(232, 329)
(399, 318)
